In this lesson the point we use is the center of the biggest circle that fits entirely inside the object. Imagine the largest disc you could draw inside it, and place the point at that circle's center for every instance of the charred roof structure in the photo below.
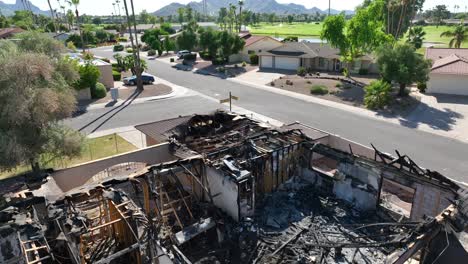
(230, 189)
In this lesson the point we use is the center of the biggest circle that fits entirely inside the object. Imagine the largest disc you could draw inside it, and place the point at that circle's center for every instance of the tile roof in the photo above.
(453, 64)
(252, 39)
(7, 32)
(305, 50)
(439, 53)
(156, 130)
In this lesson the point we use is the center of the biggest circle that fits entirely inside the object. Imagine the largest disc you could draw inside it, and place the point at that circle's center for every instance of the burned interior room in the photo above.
(225, 188)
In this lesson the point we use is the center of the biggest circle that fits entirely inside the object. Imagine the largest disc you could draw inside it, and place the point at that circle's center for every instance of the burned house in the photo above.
(224, 188)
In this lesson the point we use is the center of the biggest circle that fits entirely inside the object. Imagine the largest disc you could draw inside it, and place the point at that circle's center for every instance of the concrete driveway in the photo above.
(444, 114)
(262, 77)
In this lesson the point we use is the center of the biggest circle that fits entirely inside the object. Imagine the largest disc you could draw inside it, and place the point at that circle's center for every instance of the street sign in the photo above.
(222, 101)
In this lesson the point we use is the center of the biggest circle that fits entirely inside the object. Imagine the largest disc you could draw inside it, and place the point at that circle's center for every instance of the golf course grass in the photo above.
(312, 30)
(286, 29)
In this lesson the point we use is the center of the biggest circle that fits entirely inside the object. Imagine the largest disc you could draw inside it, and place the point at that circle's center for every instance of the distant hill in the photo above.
(258, 6)
(9, 9)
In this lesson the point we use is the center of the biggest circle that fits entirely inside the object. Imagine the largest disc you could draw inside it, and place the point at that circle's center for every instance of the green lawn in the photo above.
(285, 29)
(433, 35)
(95, 148)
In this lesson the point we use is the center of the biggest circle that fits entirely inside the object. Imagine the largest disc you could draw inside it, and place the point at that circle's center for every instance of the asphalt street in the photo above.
(448, 156)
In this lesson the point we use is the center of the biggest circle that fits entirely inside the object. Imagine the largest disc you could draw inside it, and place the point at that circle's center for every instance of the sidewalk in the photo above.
(420, 118)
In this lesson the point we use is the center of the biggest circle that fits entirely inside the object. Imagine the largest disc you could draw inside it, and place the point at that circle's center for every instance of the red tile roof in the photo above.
(7, 32)
(440, 53)
(252, 39)
(453, 64)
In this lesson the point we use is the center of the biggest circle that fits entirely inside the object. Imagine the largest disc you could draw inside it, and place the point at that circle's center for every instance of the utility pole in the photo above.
(329, 7)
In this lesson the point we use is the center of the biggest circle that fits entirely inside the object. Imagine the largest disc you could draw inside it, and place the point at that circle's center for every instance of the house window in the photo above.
(321, 62)
(251, 52)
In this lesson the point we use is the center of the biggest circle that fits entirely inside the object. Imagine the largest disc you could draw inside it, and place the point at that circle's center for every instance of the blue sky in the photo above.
(102, 7)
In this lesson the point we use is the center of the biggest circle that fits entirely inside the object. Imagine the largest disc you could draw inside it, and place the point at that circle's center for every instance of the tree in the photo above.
(76, 3)
(362, 34)
(31, 109)
(416, 36)
(189, 13)
(4, 21)
(271, 18)
(32, 41)
(181, 12)
(209, 41)
(152, 38)
(144, 17)
(70, 19)
(290, 19)
(229, 44)
(168, 44)
(187, 40)
(439, 13)
(402, 65)
(241, 3)
(458, 35)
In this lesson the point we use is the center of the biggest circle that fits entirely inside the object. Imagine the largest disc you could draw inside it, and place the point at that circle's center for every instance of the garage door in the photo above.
(448, 84)
(286, 63)
(267, 62)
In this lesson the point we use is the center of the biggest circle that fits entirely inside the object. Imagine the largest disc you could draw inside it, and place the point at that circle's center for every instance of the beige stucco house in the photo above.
(313, 56)
(254, 45)
(449, 72)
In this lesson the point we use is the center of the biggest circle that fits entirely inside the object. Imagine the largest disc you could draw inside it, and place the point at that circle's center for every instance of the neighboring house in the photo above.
(313, 56)
(62, 36)
(449, 72)
(254, 45)
(9, 32)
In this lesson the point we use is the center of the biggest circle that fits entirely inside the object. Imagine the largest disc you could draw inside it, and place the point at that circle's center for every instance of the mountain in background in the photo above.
(9, 9)
(257, 6)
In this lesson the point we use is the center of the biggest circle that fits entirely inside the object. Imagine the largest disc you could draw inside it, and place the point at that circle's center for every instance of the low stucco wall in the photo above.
(78, 175)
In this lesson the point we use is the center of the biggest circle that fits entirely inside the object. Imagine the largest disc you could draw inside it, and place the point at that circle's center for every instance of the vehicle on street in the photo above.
(132, 80)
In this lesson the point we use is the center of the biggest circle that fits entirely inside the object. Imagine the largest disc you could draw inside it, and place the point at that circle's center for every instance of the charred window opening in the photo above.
(396, 197)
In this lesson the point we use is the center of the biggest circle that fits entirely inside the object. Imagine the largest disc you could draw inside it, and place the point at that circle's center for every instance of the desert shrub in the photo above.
(221, 69)
(129, 50)
(308, 82)
(116, 75)
(289, 82)
(319, 90)
(422, 86)
(253, 59)
(363, 71)
(272, 83)
(191, 56)
(172, 60)
(218, 61)
(71, 46)
(377, 94)
(338, 85)
(98, 91)
(151, 52)
(244, 64)
(301, 71)
(122, 39)
(291, 39)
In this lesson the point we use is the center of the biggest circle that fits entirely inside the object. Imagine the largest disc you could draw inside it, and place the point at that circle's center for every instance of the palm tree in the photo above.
(416, 36)
(76, 3)
(459, 35)
(241, 3)
(135, 49)
(53, 17)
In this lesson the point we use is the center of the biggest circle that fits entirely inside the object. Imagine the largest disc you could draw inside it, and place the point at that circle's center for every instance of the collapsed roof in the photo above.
(236, 190)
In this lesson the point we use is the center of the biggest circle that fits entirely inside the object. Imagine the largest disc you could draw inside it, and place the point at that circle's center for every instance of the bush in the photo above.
(129, 50)
(89, 74)
(301, 71)
(272, 83)
(205, 55)
(377, 94)
(253, 59)
(218, 61)
(422, 86)
(319, 90)
(145, 48)
(244, 64)
(290, 39)
(117, 75)
(151, 52)
(172, 60)
(118, 48)
(99, 91)
(363, 71)
(191, 56)
(338, 85)
(122, 39)
(289, 82)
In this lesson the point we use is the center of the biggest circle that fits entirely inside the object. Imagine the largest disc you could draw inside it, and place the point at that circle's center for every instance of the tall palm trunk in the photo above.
(139, 69)
(240, 17)
(53, 18)
(77, 14)
(135, 56)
